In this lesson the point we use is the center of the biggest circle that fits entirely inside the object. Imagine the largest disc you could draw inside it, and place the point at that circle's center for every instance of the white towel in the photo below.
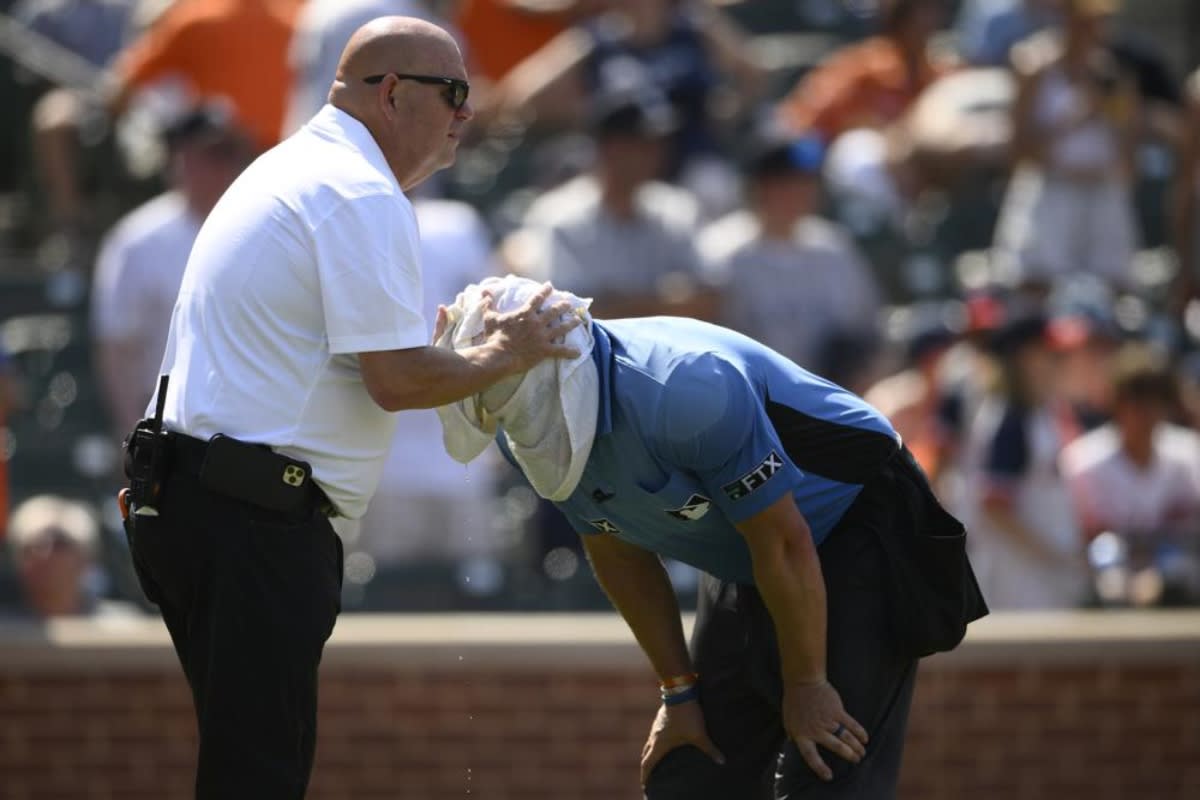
(548, 414)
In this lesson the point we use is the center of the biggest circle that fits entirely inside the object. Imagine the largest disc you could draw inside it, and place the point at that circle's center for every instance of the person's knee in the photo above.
(875, 777)
(57, 112)
(681, 774)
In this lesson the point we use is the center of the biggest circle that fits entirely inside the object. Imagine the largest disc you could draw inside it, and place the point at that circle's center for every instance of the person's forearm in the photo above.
(788, 575)
(428, 377)
(639, 588)
(124, 391)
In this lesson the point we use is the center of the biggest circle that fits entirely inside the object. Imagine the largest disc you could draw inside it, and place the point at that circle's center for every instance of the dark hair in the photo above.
(1141, 375)
(895, 14)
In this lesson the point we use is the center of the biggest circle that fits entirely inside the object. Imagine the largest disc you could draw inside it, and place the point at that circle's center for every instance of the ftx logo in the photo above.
(755, 478)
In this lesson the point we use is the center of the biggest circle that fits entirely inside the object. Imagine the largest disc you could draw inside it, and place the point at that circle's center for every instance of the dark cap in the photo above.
(1018, 331)
(209, 121)
(632, 115)
(770, 156)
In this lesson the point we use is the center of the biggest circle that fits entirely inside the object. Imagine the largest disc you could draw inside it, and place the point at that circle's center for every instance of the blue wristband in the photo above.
(687, 695)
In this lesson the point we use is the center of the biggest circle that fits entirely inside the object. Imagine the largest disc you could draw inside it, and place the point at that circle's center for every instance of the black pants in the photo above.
(249, 597)
(735, 650)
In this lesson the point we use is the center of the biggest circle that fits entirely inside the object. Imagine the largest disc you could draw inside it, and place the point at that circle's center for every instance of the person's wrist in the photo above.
(811, 681)
(679, 696)
(676, 690)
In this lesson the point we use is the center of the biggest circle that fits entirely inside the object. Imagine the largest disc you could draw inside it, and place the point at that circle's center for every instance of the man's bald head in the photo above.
(391, 44)
(413, 104)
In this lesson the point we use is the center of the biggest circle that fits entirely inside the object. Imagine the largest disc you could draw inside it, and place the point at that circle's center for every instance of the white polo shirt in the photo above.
(309, 258)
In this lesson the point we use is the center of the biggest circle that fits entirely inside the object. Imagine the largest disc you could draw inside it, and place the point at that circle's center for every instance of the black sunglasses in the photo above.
(455, 94)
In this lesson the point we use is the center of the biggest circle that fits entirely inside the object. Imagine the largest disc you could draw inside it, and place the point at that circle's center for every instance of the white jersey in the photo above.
(310, 258)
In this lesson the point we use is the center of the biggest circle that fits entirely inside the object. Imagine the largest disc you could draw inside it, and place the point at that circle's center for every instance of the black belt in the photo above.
(186, 455)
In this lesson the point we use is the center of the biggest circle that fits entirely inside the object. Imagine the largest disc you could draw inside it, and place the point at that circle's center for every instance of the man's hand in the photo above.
(813, 715)
(676, 726)
(531, 333)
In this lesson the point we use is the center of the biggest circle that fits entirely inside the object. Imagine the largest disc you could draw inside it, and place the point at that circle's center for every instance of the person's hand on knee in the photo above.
(677, 726)
(813, 715)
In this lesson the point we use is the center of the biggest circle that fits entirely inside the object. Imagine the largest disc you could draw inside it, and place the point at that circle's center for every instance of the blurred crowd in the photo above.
(981, 214)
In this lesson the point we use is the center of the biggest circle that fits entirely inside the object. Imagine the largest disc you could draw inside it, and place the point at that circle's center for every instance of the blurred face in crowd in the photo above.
(785, 197)
(1039, 366)
(915, 21)
(204, 167)
(1084, 372)
(51, 566)
(630, 160)
(1138, 418)
(649, 19)
(1088, 21)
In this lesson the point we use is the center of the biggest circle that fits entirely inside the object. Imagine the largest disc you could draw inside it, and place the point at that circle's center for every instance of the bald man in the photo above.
(297, 333)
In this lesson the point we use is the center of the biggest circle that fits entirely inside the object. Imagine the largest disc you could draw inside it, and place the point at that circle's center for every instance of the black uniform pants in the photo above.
(249, 597)
(735, 650)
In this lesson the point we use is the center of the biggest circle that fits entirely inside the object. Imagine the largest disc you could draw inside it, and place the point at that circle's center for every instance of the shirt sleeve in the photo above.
(369, 268)
(713, 423)
(825, 99)
(167, 46)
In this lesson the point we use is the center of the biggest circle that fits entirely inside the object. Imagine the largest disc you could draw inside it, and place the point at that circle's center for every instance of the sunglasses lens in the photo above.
(458, 95)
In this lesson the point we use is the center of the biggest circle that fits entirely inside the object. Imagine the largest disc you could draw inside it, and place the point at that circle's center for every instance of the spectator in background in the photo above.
(1027, 546)
(53, 542)
(1087, 344)
(8, 401)
(502, 33)
(684, 50)
(322, 30)
(870, 84)
(236, 49)
(1068, 208)
(429, 510)
(616, 234)
(1186, 205)
(989, 29)
(1139, 475)
(789, 278)
(914, 400)
(141, 261)
(93, 31)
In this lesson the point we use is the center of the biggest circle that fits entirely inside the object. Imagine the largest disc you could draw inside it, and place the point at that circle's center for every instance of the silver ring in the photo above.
(839, 730)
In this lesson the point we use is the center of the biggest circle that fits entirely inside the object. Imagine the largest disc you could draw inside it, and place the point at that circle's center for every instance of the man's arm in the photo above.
(638, 586)
(116, 366)
(788, 575)
(428, 377)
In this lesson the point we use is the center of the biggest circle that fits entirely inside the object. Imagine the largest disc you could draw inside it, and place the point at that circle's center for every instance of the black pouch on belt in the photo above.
(256, 474)
(934, 591)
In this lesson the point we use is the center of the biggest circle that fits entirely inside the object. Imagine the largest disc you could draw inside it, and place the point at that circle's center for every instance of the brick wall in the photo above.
(512, 720)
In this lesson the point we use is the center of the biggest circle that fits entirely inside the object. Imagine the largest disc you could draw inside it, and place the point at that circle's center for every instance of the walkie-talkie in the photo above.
(146, 449)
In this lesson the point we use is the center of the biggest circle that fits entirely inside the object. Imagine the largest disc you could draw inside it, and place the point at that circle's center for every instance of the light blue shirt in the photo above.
(701, 428)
